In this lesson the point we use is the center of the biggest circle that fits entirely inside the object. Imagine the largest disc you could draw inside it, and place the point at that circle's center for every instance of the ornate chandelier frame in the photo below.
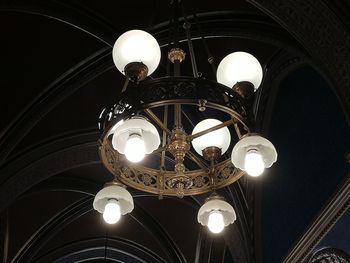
(132, 126)
(165, 92)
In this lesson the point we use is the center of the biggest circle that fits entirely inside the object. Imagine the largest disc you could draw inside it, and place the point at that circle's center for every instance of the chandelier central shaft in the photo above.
(179, 147)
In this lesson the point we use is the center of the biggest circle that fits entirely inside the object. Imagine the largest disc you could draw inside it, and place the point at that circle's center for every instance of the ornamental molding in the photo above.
(322, 224)
(330, 255)
(321, 33)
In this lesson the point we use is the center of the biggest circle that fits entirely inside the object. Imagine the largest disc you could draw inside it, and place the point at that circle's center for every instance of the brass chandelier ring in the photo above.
(163, 92)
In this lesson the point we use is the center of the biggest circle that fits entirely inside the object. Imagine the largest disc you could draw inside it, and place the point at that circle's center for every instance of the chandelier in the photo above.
(148, 141)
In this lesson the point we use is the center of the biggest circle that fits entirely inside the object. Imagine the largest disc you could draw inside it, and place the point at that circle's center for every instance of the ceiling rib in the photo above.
(55, 93)
(88, 250)
(53, 226)
(81, 19)
(101, 61)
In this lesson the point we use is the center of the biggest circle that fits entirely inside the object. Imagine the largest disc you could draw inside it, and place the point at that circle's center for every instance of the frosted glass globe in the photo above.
(239, 66)
(136, 46)
(253, 154)
(139, 126)
(111, 213)
(253, 163)
(216, 214)
(216, 222)
(220, 138)
(135, 148)
(110, 193)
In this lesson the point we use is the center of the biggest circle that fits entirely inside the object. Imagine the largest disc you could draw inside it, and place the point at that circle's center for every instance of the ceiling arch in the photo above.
(22, 173)
(75, 16)
(213, 25)
(116, 250)
(319, 30)
(53, 226)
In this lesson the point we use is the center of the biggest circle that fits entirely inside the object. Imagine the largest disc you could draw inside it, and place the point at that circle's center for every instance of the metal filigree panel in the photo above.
(170, 90)
(156, 181)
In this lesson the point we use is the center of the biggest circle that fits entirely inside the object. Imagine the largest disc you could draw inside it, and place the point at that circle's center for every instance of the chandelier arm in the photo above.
(178, 115)
(126, 84)
(198, 161)
(211, 59)
(160, 149)
(164, 137)
(238, 131)
(212, 175)
(214, 128)
(157, 120)
(187, 26)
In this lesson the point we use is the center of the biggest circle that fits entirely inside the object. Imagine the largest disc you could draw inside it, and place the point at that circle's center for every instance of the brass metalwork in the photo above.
(244, 88)
(157, 120)
(176, 54)
(180, 181)
(214, 128)
(164, 137)
(148, 179)
(201, 105)
(214, 196)
(169, 91)
(178, 147)
(114, 182)
(136, 71)
(212, 153)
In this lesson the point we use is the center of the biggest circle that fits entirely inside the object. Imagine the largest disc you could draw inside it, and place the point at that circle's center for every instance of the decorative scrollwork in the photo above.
(150, 180)
(161, 91)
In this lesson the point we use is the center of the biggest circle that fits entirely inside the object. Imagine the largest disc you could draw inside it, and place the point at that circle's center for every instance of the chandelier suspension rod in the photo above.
(170, 36)
(238, 131)
(164, 137)
(176, 62)
(187, 26)
(214, 128)
(157, 120)
(211, 58)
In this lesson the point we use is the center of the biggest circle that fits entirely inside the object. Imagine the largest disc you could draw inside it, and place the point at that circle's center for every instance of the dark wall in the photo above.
(311, 137)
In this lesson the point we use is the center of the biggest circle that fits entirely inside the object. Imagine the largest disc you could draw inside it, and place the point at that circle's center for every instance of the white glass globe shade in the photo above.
(111, 213)
(239, 66)
(136, 46)
(216, 222)
(114, 192)
(265, 153)
(135, 125)
(220, 138)
(111, 131)
(253, 163)
(135, 148)
(206, 214)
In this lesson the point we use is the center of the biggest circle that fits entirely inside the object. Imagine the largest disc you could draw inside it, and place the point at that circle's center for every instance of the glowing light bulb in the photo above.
(253, 163)
(111, 213)
(216, 222)
(135, 148)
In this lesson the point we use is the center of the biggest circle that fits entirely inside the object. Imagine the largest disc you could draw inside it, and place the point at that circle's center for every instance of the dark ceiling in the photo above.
(57, 76)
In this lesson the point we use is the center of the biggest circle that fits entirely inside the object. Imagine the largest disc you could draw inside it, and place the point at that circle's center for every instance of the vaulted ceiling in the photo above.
(57, 76)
